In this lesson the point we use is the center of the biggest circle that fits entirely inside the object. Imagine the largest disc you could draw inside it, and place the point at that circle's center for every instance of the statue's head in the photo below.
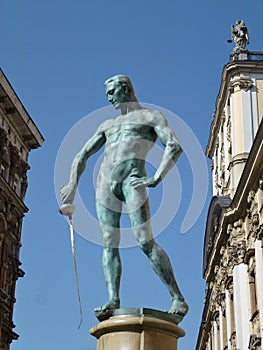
(119, 90)
(240, 22)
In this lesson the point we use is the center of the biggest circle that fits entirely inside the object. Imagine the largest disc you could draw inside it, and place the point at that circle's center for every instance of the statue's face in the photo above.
(117, 94)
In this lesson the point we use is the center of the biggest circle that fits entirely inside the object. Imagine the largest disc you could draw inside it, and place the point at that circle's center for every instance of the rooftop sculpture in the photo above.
(240, 36)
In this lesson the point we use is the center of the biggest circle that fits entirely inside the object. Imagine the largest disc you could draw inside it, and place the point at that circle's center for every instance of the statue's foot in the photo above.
(179, 307)
(111, 305)
(106, 311)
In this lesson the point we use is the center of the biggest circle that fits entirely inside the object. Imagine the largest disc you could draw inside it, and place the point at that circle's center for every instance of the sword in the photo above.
(68, 210)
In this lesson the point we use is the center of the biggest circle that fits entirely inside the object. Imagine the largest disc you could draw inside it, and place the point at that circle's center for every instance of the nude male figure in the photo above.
(122, 180)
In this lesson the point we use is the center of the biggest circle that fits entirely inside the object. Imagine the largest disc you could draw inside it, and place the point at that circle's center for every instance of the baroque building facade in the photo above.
(233, 247)
(18, 136)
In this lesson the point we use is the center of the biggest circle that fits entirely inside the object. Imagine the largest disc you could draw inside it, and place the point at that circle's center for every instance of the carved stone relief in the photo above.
(240, 83)
(233, 341)
(236, 243)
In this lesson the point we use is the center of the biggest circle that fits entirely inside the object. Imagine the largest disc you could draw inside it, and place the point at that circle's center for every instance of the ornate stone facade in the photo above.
(233, 248)
(18, 135)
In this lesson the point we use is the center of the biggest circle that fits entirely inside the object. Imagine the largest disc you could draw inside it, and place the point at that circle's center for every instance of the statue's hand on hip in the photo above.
(144, 182)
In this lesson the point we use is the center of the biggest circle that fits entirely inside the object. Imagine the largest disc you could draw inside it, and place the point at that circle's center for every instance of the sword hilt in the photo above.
(67, 209)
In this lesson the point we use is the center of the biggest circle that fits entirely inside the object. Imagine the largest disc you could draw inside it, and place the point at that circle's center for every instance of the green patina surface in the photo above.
(122, 180)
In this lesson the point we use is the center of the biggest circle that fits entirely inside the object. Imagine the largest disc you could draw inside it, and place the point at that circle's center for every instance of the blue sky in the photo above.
(57, 55)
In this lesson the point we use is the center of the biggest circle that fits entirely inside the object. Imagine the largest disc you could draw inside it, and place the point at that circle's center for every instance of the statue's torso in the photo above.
(129, 138)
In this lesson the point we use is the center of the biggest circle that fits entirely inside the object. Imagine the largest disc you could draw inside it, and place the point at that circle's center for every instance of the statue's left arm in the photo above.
(171, 153)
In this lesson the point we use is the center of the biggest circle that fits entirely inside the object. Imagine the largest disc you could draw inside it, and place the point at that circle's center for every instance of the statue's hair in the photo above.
(122, 80)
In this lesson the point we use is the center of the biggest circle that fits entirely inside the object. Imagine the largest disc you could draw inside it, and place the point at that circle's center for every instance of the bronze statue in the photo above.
(122, 180)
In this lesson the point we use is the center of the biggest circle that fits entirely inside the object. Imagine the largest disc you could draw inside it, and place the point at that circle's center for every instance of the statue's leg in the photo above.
(140, 221)
(110, 227)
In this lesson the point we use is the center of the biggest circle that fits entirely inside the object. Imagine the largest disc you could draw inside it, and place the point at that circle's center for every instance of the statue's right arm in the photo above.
(68, 191)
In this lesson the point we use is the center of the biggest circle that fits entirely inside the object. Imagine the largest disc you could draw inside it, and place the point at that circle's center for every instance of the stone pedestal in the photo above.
(138, 329)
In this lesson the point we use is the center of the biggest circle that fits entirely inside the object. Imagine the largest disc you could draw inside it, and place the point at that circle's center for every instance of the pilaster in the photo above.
(259, 275)
(241, 305)
(230, 326)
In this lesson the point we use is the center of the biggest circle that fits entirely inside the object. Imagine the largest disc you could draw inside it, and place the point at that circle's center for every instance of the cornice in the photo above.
(17, 115)
(243, 82)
